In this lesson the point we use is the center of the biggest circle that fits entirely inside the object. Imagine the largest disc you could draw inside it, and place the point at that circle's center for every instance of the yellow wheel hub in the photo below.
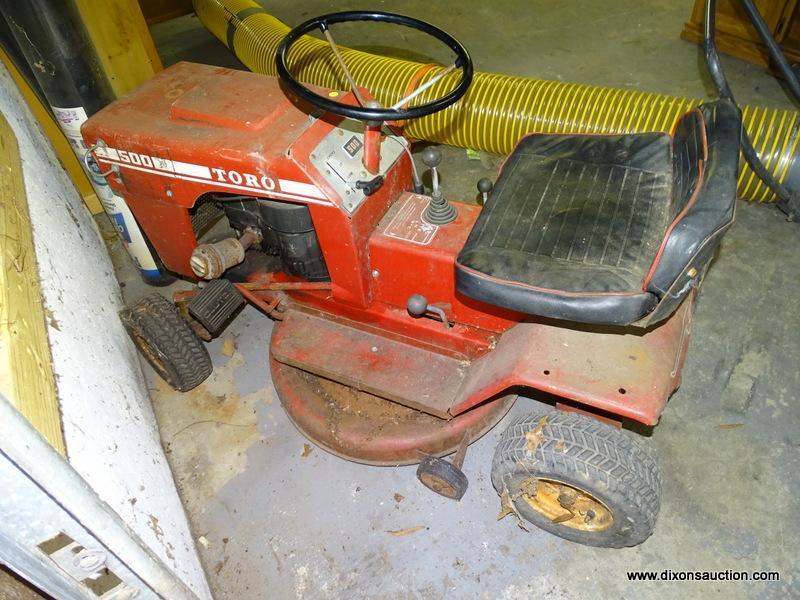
(566, 504)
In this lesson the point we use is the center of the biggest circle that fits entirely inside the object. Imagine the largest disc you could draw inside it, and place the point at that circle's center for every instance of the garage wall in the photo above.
(108, 423)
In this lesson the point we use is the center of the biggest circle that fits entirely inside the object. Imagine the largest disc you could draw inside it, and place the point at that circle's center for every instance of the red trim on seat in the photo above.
(701, 177)
(545, 290)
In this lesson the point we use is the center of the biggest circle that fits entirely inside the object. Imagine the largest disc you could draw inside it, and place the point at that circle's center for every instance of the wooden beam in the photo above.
(26, 369)
(735, 35)
(122, 40)
(156, 11)
(57, 138)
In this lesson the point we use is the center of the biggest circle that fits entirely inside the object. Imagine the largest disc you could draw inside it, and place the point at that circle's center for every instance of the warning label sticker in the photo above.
(408, 223)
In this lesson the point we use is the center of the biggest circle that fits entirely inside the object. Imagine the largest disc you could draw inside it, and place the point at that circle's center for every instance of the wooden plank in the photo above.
(57, 138)
(752, 52)
(737, 36)
(26, 370)
(790, 32)
(156, 11)
(120, 35)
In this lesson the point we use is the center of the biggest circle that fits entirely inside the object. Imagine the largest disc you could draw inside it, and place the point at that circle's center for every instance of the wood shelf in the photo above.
(737, 37)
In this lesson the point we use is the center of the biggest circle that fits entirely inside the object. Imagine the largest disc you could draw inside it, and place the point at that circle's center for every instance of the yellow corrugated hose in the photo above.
(498, 109)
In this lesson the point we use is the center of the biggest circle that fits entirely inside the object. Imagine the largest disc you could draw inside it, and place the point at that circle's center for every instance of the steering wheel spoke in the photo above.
(433, 81)
(353, 86)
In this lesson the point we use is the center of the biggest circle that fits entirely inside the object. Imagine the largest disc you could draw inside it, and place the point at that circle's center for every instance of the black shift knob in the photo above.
(417, 305)
(485, 185)
(432, 156)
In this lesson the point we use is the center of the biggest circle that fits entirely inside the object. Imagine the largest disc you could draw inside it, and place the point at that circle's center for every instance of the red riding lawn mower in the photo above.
(408, 323)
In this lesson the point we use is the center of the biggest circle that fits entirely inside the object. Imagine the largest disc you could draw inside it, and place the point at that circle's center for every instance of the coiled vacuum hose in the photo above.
(498, 109)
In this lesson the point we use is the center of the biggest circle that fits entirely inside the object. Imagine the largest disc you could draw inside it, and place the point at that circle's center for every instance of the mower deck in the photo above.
(367, 429)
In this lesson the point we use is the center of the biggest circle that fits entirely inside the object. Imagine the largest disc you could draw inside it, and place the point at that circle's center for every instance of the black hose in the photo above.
(772, 46)
(787, 201)
(712, 57)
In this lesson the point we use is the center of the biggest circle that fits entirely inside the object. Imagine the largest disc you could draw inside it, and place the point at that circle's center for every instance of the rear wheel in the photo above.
(167, 341)
(578, 478)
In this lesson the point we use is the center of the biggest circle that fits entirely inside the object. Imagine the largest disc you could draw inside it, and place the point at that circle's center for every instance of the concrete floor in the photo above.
(278, 519)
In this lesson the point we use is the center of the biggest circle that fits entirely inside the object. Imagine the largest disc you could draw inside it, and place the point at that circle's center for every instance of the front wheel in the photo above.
(167, 341)
(578, 478)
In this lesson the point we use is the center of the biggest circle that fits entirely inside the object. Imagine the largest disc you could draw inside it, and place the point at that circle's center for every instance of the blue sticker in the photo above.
(122, 228)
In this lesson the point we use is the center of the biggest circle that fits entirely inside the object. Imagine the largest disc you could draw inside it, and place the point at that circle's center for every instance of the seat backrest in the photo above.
(705, 166)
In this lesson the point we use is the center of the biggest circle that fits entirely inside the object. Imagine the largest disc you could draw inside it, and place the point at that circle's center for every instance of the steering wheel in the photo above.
(371, 111)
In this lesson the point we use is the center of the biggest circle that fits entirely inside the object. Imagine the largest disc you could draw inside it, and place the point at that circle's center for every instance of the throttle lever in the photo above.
(371, 186)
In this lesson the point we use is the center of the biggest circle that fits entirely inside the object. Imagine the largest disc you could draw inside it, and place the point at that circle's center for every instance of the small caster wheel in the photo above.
(444, 477)
(167, 341)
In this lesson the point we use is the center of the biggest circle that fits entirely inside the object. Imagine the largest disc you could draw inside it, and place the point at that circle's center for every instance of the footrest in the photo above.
(215, 304)
(406, 374)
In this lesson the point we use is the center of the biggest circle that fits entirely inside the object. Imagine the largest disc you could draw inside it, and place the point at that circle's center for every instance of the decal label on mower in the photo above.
(264, 182)
(409, 225)
(227, 178)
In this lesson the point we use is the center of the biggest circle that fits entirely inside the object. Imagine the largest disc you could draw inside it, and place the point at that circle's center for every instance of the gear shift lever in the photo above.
(485, 186)
(432, 157)
(439, 211)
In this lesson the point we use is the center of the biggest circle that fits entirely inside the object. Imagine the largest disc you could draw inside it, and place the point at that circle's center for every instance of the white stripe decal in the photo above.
(106, 152)
(244, 188)
(305, 189)
(292, 190)
(191, 170)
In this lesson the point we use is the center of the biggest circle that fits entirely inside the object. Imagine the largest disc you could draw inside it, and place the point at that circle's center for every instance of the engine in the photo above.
(282, 229)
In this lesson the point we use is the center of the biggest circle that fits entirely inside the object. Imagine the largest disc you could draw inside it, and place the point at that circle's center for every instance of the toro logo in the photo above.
(264, 182)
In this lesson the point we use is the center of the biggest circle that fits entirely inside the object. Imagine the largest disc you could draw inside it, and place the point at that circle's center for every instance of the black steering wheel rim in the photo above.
(362, 113)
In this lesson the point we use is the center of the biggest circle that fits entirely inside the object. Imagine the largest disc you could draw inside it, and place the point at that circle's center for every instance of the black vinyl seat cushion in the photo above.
(578, 227)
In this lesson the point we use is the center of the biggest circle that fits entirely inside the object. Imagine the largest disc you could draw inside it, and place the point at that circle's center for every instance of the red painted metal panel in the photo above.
(416, 377)
(361, 427)
(626, 372)
(410, 259)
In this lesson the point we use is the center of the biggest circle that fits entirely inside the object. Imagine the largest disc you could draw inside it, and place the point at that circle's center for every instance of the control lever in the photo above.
(417, 306)
(371, 186)
(439, 210)
(432, 157)
(485, 187)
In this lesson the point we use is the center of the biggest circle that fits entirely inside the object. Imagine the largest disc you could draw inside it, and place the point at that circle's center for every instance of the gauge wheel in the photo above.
(443, 477)
(578, 478)
(167, 342)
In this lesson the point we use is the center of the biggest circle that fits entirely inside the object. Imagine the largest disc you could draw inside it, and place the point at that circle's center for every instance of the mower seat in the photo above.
(606, 229)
